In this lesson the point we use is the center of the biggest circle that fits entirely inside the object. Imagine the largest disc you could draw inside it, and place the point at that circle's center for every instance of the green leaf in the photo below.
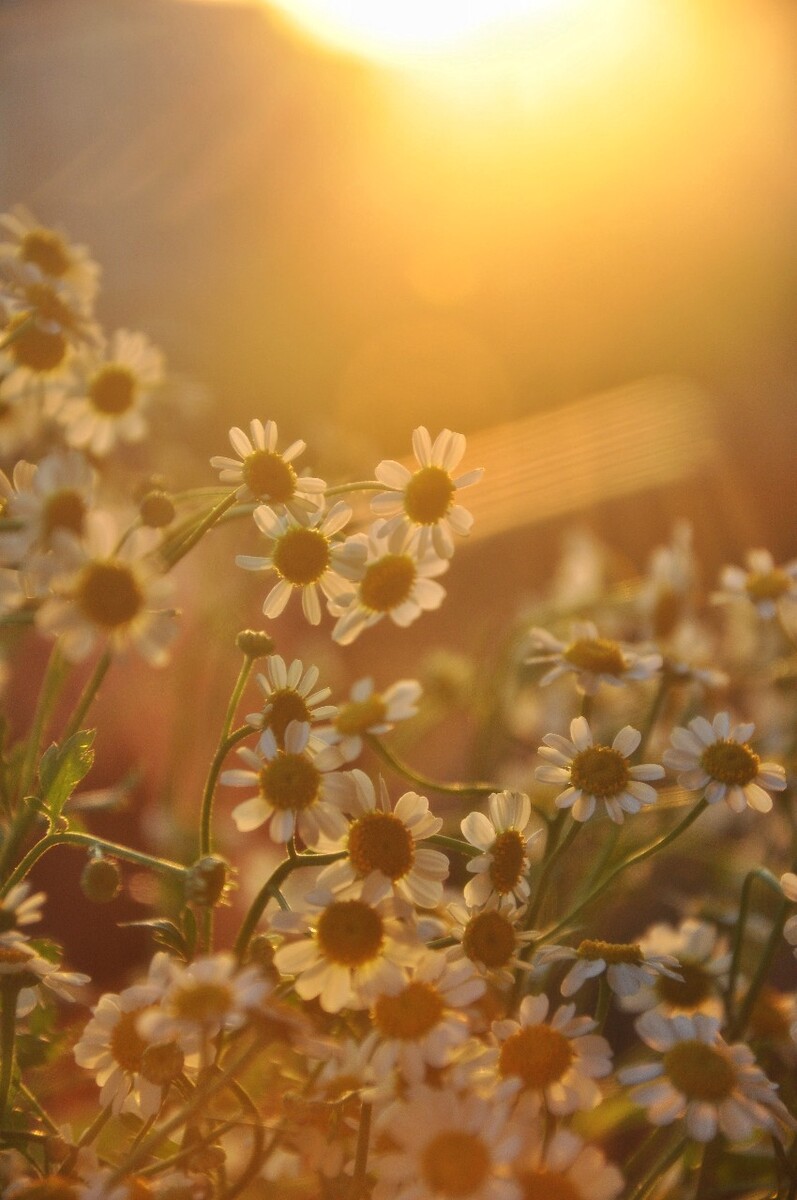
(164, 932)
(62, 768)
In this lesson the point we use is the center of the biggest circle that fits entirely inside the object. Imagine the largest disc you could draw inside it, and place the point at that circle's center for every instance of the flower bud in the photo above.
(157, 510)
(101, 880)
(254, 643)
(205, 881)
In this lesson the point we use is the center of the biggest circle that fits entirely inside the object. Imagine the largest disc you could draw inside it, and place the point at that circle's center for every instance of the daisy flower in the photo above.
(716, 759)
(38, 352)
(306, 555)
(104, 593)
(714, 1087)
(423, 1022)
(50, 252)
(491, 936)
(559, 1060)
(203, 998)
(627, 967)
(42, 499)
(130, 1071)
(296, 788)
(599, 772)
(564, 1166)
(423, 500)
(370, 712)
(290, 696)
(25, 970)
(446, 1146)
(771, 589)
(504, 839)
(398, 581)
(105, 403)
(773, 1022)
(381, 845)
(591, 658)
(17, 908)
(703, 962)
(348, 951)
(264, 474)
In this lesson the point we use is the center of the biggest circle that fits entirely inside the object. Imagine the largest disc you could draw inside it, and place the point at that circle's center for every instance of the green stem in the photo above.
(172, 554)
(558, 848)
(41, 1112)
(367, 485)
(455, 845)
(639, 857)
(711, 1154)
(769, 879)
(87, 695)
(654, 713)
(663, 1164)
(737, 1027)
(271, 888)
(51, 685)
(361, 1157)
(88, 841)
(8, 1034)
(604, 999)
(449, 789)
(223, 749)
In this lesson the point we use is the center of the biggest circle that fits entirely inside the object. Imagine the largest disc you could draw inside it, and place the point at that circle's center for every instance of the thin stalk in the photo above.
(88, 1136)
(367, 485)
(558, 848)
(258, 1143)
(51, 685)
(654, 712)
(271, 888)
(604, 999)
(738, 934)
(449, 789)
(225, 745)
(639, 857)
(663, 1164)
(173, 554)
(37, 1107)
(8, 1034)
(737, 1027)
(87, 695)
(88, 841)
(361, 1157)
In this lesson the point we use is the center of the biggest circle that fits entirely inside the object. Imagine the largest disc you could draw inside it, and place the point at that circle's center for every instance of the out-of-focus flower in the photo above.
(203, 998)
(18, 908)
(369, 711)
(50, 252)
(564, 1165)
(703, 962)
(504, 839)
(627, 967)
(423, 500)
(772, 589)
(24, 970)
(591, 658)
(43, 499)
(265, 474)
(289, 696)
(594, 773)
(715, 758)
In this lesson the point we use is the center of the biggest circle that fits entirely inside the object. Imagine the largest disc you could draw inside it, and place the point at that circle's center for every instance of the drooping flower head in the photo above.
(591, 658)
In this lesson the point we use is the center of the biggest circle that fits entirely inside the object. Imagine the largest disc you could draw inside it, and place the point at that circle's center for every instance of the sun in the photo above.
(402, 30)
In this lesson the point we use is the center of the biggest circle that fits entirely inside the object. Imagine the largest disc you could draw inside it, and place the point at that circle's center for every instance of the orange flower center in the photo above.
(360, 715)
(599, 771)
(455, 1164)
(33, 347)
(112, 390)
(388, 582)
(489, 938)
(428, 495)
(695, 988)
(508, 861)
(301, 556)
(290, 781)
(284, 706)
(597, 655)
(411, 1014)
(269, 477)
(538, 1054)
(729, 762)
(381, 842)
(699, 1071)
(610, 952)
(350, 933)
(108, 594)
(205, 1003)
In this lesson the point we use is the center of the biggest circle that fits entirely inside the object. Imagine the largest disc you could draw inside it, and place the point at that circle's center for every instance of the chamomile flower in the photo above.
(306, 555)
(597, 772)
(382, 847)
(50, 252)
(564, 1166)
(105, 594)
(106, 402)
(23, 970)
(17, 909)
(290, 695)
(421, 1023)
(491, 936)
(53, 495)
(703, 962)
(627, 967)
(770, 588)
(714, 1087)
(346, 951)
(559, 1060)
(591, 658)
(201, 999)
(267, 475)
(295, 788)
(423, 500)
(716, 759)
(131, 1071)
(37, 350)
(398, 581)
(504, 838)
(370, 712)
(447, 1145)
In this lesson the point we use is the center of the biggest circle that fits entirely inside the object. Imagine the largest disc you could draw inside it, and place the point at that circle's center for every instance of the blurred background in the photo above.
(567, 228)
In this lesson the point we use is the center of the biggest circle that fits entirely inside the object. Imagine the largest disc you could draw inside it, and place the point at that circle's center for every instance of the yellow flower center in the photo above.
(547, 1185)
(268, 476)
(700, 1072)
(599, 771)
(428, 495)
(455, 1163)
(381, 842)
(508, 861)
(34, 347)
(112, 391)
(284, 706)
(49, 304)
(733, 763)
(769, 1019)
(411, 1013)
(388, 582)
(538, 1054)
(290, 781)
(162, 1063)
(108, 594)
(360, 715)
(767, 585)
(51, 1187)
(204, 1003)
(489, 938)
(597, 655)
(695, 988)
(64, 510)
(46, 250)
(125, 1043)
(611, 952)
(301, 556)
(350, 933)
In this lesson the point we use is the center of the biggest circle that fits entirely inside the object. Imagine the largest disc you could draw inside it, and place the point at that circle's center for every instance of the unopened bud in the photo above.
(162, 1063)
(101, 880)
(206, 879)
(157, 510)
(254, 643)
